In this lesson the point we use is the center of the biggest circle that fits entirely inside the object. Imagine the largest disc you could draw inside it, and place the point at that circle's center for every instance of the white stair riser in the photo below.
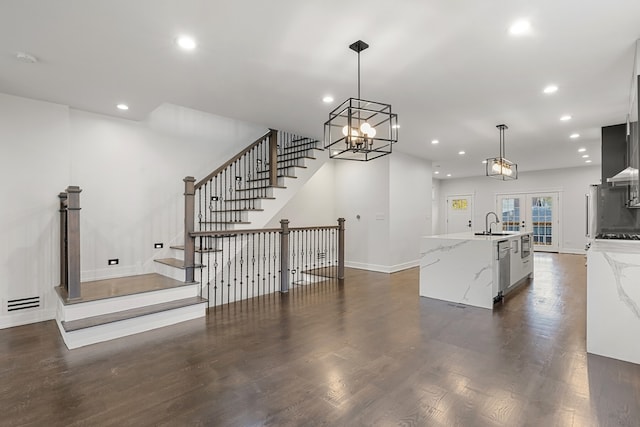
(123, 328)
(96, 308)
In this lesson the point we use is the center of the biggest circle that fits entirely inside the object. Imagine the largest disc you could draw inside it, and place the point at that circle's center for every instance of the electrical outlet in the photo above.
(157, 246)
(114, 261)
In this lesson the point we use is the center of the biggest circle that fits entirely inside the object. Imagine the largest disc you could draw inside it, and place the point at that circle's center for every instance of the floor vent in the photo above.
(23, 304)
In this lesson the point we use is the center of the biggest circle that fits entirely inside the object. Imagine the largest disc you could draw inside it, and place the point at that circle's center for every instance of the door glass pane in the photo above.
(511, 214)
(541, 219)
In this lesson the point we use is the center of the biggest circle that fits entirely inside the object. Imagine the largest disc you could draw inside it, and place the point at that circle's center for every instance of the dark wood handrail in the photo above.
(233, 159)
(258, 230)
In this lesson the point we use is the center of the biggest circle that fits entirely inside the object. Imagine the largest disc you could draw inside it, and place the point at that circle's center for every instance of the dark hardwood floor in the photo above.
(371, 352)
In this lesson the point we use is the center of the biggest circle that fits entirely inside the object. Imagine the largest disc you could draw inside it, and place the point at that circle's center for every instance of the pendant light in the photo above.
(500, 167)
(359, 129)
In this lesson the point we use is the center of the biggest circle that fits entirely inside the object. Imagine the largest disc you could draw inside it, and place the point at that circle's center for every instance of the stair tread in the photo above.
(249, 198)
(267, 178)
(259, 188)
(237, 210)
(177, 263)
(224, 222)
(284, 167)
(198, 250)
(117, 316)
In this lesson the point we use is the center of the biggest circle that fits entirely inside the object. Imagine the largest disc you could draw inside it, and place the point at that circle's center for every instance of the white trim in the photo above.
(19, 319)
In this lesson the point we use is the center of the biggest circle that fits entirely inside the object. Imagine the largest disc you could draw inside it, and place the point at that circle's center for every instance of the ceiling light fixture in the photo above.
(368, 129)
(550, 89)
(437, 172)
(585, 156)
(27, 58)
(587, 161)
(565, 118)
(581, 150)
(574, 135)
(500, 167)
(448, 174)
(327, 99)
(435, 141)
(520, 27)
(123, 107)
(186, 42)
(461, 152)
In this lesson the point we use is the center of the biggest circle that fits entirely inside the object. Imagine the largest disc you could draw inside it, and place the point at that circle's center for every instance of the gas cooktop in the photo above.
(619, 236)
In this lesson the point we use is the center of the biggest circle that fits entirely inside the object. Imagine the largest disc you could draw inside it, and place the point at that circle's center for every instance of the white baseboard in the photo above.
(573, 251)
(19, 319)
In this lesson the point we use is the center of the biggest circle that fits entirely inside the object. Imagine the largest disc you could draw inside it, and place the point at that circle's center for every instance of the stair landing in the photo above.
(121, 286)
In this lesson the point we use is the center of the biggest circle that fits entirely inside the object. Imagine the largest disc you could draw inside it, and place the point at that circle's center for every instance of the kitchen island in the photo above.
(613, 299)
(472, 269)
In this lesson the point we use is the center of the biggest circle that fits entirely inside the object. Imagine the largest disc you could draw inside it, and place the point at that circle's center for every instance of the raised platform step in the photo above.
(177, 263)
(121, 286)
(115, 308)
(118, 316)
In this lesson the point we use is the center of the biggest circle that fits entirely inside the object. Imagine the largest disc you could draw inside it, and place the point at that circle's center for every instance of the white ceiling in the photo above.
(450, 69)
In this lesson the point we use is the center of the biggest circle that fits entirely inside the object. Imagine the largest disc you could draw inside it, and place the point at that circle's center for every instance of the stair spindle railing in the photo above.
(225, 196)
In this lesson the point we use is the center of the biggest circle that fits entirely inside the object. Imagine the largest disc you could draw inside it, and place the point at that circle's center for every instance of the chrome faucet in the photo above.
(487, 225)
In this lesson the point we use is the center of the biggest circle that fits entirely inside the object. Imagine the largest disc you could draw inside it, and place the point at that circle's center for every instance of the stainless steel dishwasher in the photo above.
(504, 266)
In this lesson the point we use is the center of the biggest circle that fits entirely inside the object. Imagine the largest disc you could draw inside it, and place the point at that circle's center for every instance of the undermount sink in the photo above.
(484, 233)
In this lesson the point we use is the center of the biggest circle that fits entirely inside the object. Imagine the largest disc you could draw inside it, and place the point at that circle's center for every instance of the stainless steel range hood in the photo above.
(624, 177)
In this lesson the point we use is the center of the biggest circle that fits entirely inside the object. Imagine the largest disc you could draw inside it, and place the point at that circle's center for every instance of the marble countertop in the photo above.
(467, 235)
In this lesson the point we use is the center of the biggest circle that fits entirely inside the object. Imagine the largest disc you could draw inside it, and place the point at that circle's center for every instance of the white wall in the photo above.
(131, 176)
(571, 183)
(410, 208)
(313, 204)
(392, 197)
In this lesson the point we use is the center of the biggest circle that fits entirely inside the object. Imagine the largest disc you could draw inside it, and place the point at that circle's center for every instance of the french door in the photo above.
(532, 212)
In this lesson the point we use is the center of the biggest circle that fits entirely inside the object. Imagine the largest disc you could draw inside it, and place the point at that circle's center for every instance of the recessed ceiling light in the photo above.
(520, 27)
(461, 152)
(550, 89)
(565, 118)
(448, 174)
(484, 162)
(574, 135)
(26, 58)
(435, 141)
(186, 42)
(123, 107)
(437, 172)
(581, 150)
(585, 156)
(327, 99)
(587, 161)
(396, 126)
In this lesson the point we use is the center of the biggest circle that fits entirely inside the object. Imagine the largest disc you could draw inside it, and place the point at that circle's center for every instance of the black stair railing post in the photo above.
(284, 256)
(273, 157)
(340, 248)
(63, 241)
(73, 242)
(189, 227)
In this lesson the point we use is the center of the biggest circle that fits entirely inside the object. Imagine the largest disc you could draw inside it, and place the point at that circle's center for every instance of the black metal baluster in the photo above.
(235, 268)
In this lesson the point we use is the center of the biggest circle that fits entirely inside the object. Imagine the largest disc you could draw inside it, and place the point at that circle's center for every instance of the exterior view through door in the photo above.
(532, 212)
(459, 213)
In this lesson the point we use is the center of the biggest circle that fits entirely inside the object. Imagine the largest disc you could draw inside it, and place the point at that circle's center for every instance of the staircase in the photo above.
(245, 192)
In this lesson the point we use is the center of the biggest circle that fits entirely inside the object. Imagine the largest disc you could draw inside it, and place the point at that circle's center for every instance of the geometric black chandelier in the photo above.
(500, 167)
(359, 129)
